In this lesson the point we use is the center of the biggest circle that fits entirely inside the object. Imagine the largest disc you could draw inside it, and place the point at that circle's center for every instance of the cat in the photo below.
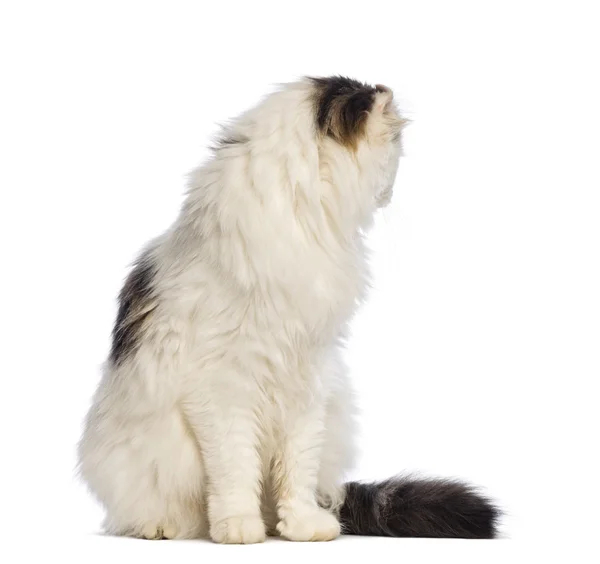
(224, 408)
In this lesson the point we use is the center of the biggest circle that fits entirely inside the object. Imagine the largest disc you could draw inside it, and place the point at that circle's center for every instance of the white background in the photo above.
(478, 351)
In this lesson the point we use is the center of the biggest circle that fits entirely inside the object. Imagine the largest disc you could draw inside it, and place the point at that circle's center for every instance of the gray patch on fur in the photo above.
(136, 302)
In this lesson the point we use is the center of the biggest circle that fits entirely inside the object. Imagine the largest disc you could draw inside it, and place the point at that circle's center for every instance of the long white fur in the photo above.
(235, 416)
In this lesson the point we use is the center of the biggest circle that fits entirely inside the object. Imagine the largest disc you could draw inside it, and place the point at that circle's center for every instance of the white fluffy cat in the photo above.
(224, 408)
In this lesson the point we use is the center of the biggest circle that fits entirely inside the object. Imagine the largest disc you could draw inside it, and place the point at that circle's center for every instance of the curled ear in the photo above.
(383, 99)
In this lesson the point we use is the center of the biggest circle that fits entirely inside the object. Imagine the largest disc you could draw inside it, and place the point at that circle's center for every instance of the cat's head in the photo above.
(364, 121)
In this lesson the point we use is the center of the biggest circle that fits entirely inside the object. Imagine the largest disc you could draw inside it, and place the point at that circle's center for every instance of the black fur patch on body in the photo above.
(136, 302)
(404, 507)
(342, 106)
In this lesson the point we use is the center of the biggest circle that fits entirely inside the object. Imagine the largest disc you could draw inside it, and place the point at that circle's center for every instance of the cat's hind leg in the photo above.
(338, 449)
(147, 473)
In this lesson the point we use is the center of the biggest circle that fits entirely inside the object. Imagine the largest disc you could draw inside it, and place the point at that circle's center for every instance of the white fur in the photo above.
(234, 416)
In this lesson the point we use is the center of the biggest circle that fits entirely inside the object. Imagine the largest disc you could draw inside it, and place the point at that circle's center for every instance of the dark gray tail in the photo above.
(406, 507)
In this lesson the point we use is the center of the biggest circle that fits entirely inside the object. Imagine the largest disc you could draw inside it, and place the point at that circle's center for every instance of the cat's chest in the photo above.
(323, 294)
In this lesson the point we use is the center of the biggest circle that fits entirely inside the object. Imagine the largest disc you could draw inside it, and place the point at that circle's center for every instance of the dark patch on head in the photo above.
(136, 303)
(404, 507)
(342, 107)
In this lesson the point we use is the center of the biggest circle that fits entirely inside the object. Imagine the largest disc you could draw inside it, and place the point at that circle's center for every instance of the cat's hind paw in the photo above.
(151, 531)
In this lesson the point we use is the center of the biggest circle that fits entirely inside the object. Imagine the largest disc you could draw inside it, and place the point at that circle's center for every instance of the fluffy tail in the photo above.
(405, 507)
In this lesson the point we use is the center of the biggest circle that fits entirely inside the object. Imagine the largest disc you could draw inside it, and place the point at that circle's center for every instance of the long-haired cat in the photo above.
(224, 409)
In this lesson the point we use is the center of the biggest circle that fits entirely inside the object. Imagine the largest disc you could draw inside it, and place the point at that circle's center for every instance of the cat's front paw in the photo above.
(314, 524)
(246, 529)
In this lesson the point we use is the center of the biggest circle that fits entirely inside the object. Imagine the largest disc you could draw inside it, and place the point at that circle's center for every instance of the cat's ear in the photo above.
(384, 104)
(383, 98)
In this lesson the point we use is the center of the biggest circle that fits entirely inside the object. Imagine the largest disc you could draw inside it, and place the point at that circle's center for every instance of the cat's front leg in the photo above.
(227, 430)
(295, 475)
